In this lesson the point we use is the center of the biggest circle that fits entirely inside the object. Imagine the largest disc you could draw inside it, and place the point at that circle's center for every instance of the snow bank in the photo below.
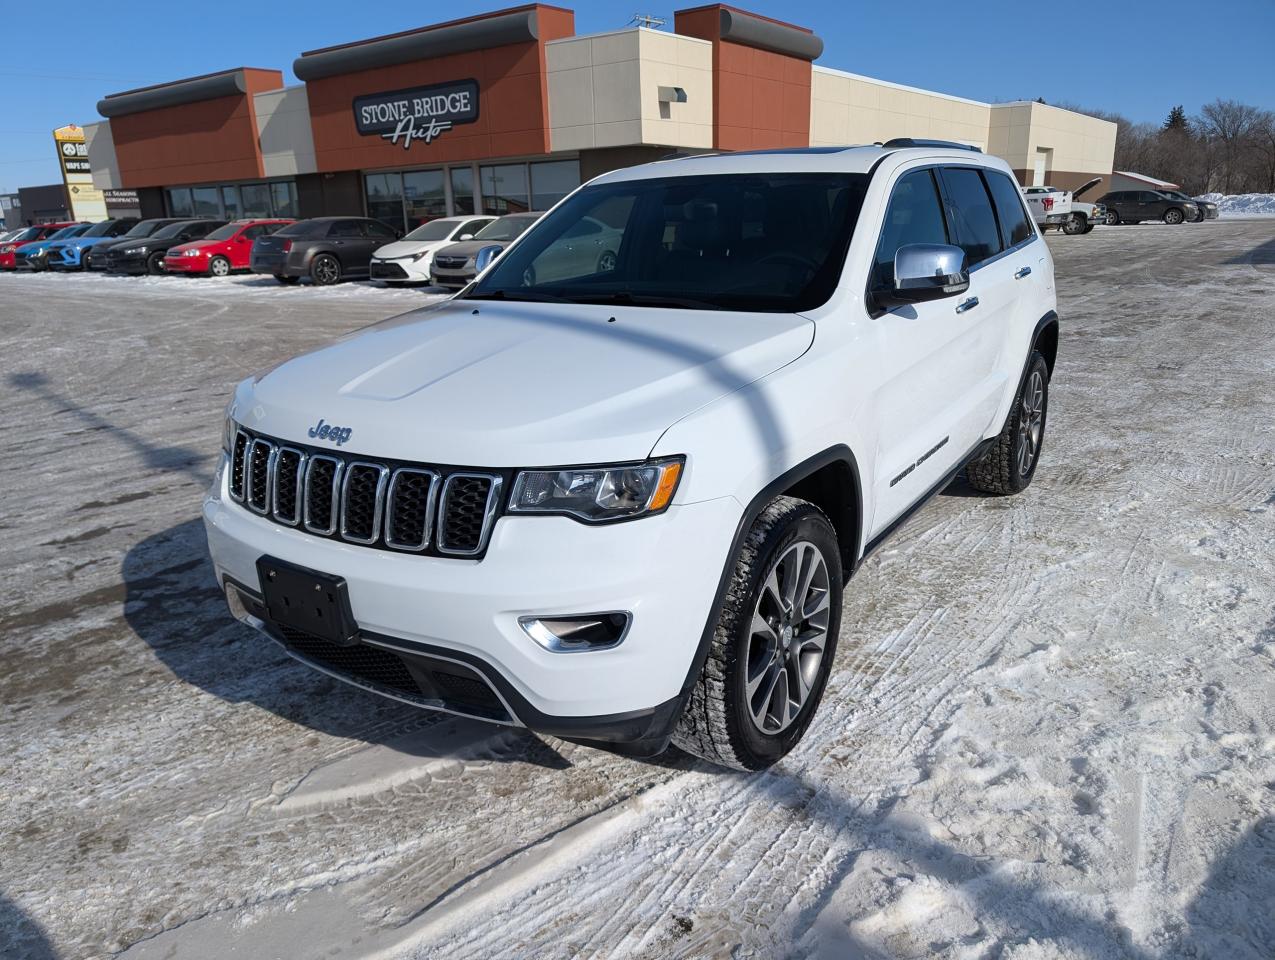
(1243, 205)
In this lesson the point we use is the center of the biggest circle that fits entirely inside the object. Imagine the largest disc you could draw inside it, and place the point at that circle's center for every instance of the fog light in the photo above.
(579, 632)
(244, 608)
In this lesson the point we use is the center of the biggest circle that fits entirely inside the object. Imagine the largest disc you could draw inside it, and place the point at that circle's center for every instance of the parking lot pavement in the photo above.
(1048, 733)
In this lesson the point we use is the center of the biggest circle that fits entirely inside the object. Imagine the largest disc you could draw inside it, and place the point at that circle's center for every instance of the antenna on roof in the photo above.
(646, 20)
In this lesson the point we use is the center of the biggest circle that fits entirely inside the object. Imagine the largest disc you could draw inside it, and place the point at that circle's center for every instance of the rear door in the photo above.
(349, 243)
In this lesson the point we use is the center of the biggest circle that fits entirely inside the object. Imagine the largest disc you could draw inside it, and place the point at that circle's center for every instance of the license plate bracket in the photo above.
(307, 600)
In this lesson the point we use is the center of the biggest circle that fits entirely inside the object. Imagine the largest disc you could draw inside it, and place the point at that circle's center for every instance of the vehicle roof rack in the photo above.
(914, 142)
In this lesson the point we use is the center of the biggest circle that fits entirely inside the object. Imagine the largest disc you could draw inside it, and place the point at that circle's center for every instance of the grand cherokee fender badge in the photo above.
(325, 431)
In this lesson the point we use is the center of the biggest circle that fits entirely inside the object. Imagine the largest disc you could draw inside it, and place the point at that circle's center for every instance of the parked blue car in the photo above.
(35, 255)
(75, 254)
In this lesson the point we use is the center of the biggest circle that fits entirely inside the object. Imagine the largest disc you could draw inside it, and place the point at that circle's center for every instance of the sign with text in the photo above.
(418, 115)
(86, 202)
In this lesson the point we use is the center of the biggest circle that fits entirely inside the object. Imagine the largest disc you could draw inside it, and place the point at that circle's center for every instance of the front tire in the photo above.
(1113, 218)
(1173, 216)
(1075, 226)
(219, 267)
(773, 644)
(1009, 465)
(155, 264)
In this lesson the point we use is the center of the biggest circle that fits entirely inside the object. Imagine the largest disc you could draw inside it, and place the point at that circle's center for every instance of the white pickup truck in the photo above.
(1054, 207)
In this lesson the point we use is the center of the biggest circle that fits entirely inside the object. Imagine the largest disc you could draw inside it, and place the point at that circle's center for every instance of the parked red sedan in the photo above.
(29, 235)
(225, 249)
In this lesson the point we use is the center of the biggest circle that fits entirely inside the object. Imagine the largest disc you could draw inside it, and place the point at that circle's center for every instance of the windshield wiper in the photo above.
(534, 296)
(625, 299)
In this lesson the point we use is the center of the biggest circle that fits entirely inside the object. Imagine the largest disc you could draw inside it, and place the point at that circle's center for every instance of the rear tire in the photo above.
(773, 644)
(325, 270)
(1009, 465)
(219, 267)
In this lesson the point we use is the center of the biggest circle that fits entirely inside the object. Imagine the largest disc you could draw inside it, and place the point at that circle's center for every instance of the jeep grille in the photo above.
(389, 505)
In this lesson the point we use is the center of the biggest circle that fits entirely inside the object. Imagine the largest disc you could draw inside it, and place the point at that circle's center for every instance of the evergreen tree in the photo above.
(1176, 119)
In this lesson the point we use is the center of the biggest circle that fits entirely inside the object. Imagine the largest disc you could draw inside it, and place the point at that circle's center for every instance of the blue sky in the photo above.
(54, 70)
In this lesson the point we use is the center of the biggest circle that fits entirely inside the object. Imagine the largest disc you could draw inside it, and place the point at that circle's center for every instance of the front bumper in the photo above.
(127, 263)
(64, 258)
(452, 279)
(186, 264)
(402, 269)
(664, 570)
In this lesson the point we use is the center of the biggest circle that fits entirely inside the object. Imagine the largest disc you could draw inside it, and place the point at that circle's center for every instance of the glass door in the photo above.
(424, 197)
(385, 199)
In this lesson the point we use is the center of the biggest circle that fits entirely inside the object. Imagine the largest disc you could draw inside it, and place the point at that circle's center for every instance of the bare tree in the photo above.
(1264, 148)
(1231, 123)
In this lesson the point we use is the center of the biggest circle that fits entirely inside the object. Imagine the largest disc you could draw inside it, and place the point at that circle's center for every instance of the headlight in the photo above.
(228, 430)
(141, 249)
(418, 257)
(190, 253)
(8, 248)
(599, 494)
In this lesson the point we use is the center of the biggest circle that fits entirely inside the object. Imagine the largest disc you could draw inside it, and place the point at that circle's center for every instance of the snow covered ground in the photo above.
(1243, 205)
(1050, 730)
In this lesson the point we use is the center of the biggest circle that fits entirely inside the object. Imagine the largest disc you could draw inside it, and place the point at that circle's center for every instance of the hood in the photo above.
(469, 248)
(405, 248)
(523, 384)
(1088, 186)
(176, 246)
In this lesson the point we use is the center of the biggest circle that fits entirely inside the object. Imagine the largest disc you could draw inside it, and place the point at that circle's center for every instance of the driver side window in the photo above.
(914, 215)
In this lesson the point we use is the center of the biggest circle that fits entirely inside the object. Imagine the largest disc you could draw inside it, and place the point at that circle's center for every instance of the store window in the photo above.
(553, 180)
(284, 196)
(256, 200)
(179, 202)
(207, 201)
(385, 198)
(230, 206)
(424, 197)
(504, 188)
(463, 191)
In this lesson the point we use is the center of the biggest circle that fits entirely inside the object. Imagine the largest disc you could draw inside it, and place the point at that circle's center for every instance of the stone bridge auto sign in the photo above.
(418, 115)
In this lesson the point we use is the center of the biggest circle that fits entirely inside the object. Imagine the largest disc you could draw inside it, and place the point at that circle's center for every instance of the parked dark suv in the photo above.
(1134, 206)
(325, 249)
(146, 254)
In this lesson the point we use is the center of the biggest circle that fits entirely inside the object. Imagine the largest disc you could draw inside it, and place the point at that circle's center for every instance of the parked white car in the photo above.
(408, 260)
(619, 503)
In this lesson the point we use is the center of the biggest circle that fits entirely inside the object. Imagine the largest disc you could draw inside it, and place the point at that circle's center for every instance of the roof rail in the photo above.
(914, 142)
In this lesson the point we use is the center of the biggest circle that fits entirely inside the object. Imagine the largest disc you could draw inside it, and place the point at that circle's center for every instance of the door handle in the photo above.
(969, 304)
(1022, 272)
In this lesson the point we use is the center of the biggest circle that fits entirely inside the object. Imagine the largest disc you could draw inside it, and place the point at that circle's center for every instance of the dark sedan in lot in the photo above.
(143, 228)
(325, 249)
(1135, 206)
(146, 254)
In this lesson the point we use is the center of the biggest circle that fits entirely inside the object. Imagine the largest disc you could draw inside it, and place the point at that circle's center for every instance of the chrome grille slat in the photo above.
(413, 508)
(258, 475)
(407, 506)
(319, 491)
(289, 463)
(361, 521)
(456, 536)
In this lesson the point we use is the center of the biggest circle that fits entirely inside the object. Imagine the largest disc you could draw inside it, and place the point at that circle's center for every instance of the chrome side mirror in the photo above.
(466, 236)
(927, 271)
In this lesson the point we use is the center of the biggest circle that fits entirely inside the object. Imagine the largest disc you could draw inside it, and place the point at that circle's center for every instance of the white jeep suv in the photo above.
(620, 507)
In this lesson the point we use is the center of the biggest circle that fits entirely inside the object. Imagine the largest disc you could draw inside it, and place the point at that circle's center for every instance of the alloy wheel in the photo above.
(219, 267)
(326, 270)
(787, 637)
(1031, 422)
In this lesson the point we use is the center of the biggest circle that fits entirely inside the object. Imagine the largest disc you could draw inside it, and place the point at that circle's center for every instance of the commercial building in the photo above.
(510, 110)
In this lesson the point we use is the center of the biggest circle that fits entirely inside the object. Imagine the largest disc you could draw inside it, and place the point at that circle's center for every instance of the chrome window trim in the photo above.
(378, 505)
(489, 512)
(302, 464)
(431, 507)
(248, 486)
(338, 467)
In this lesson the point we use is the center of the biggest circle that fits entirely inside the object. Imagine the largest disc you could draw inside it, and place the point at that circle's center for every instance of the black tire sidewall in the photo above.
(758, 749)
(1037, 363)
(155, 264)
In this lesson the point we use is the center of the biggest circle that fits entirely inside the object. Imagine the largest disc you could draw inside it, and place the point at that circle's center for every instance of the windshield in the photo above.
(1175, 194)
(506, 228)
(31, 233)
(143, 228)
(226, 232)
(172, 230)
(769, 242)
(66, 232)
(434, 230)
(99, 229)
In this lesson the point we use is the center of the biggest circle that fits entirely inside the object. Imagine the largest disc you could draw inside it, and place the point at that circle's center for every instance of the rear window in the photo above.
(305, 230)
(973, 220)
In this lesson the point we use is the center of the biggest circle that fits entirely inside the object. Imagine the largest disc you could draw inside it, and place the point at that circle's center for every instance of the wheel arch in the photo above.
(1045, 339)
